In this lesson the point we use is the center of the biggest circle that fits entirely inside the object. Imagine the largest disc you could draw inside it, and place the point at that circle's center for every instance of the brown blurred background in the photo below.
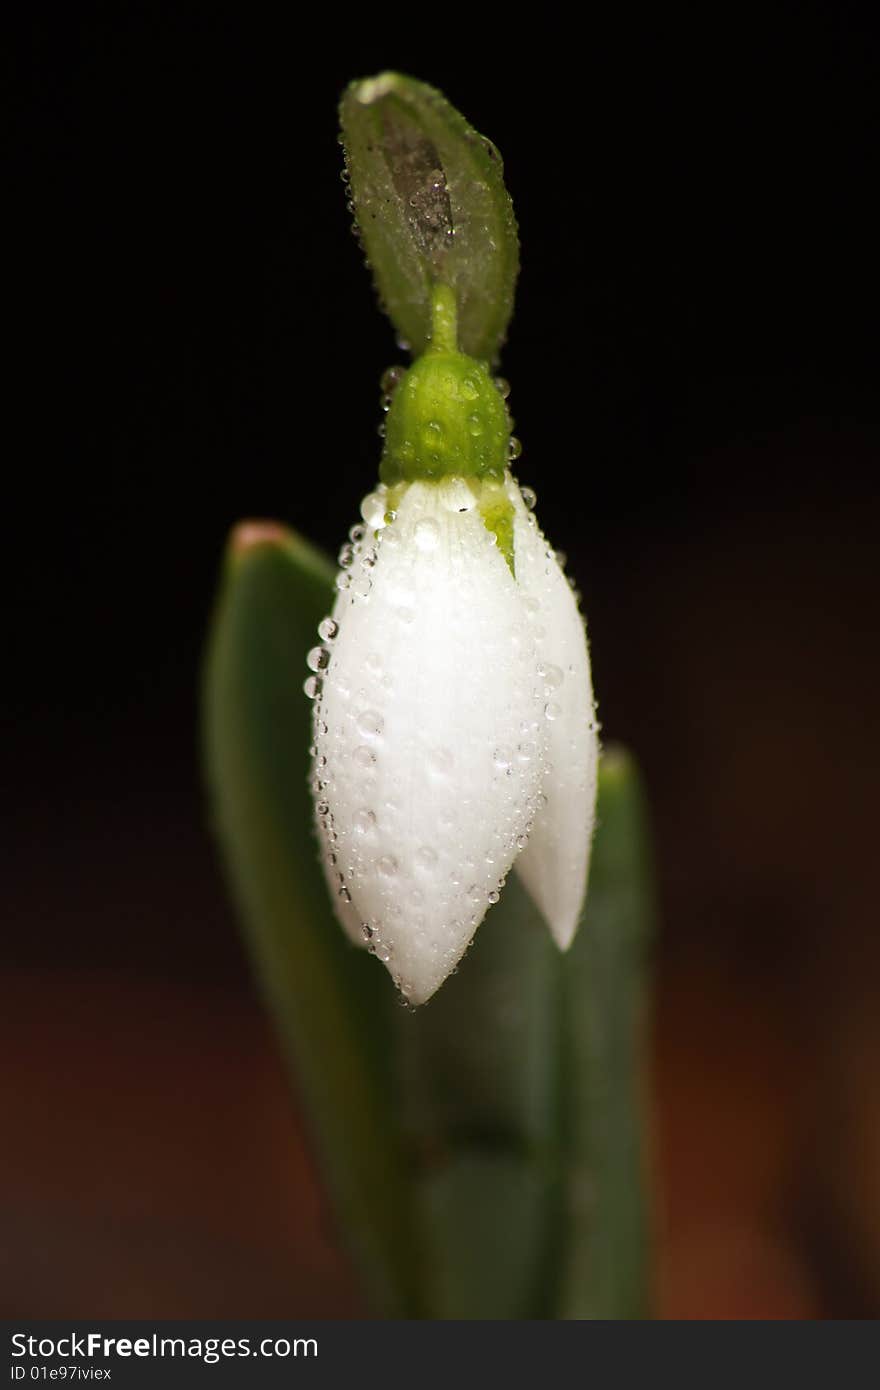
(694, 368)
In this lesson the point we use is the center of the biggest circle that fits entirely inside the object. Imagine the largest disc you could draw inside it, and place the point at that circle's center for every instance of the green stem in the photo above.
(444, 320)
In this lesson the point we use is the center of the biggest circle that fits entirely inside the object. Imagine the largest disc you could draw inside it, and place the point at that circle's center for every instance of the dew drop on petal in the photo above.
(551, 710)
(529, 497)
(553, 677)
(318, 659)
(387, 865)
(370, 724)
(327, 629)
(313, 687)
(373, 510)
(363, 821)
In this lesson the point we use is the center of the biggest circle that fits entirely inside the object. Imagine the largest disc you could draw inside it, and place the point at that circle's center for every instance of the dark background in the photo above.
(694, 368)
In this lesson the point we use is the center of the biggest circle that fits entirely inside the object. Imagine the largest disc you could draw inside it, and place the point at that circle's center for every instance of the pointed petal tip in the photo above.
(564, 930)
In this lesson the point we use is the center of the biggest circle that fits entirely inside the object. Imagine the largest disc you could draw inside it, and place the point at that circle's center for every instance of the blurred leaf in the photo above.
(431, 205)
(333, 1005)
(604, 1266)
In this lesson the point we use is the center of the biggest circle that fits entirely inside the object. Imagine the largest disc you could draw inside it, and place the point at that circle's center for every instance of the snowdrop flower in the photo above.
(454, 729)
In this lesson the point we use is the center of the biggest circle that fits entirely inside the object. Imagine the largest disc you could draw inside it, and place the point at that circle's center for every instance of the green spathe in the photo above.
(428, 196)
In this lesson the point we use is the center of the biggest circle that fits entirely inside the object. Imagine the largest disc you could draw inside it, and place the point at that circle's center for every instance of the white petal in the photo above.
(555, 863)
(430, 721)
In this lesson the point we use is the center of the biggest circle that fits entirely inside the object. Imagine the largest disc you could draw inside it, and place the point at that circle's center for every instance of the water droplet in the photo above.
(427, 534)
(344, 894)
(494, 896)
(357, 532)
(502, 386)
(469, 389)
(327, 629)
(475, 892)
(373, 510)
(363, 756)
(387, 865)
(363, 821)
(343, 581)
(367, 931)
(501, 759)
(371, 724)
(514, 448)
(383, 952)
(426, 857)
(391, 379)
(318, 659)
(313, 687)
(551, 710)
(530, 497)
(553, 677)
(369, 558)
(522, 841)
(346, 556)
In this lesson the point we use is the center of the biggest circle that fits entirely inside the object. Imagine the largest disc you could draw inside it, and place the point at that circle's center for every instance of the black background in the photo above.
(694, 368)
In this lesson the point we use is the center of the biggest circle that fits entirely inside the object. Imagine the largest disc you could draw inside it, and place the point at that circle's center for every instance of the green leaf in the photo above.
(431, 206)
(333, 1005)
(604, 1258)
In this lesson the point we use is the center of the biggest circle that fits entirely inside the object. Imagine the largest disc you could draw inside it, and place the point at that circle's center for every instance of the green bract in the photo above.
(429, 199)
